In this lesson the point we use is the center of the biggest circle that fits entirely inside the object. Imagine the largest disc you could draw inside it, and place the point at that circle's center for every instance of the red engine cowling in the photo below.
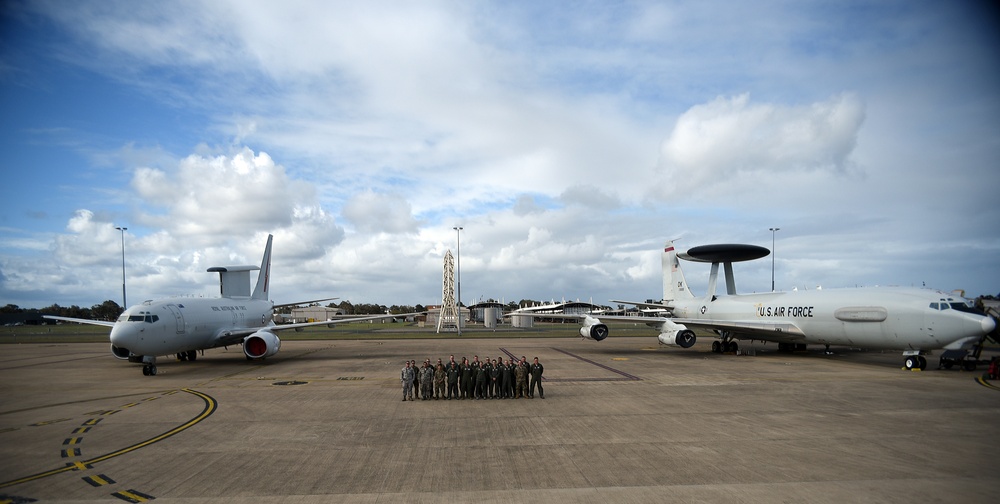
(261, 344)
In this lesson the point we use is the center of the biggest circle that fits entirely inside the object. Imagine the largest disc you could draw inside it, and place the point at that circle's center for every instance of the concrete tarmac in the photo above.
(623, 420)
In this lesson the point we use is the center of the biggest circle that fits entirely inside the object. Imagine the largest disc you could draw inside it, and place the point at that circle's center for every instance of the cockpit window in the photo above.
(964, 307)
(151, 318)
(136, 318)
(935, 306)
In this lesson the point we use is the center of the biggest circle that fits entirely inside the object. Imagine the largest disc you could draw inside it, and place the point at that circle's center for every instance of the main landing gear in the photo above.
(915, 362)
(727, 345)
(190, 355)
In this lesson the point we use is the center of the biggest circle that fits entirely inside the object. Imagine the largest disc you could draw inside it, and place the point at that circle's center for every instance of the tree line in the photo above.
(107, 311)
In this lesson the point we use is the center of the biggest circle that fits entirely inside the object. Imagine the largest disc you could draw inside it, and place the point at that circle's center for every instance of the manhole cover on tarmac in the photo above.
(293, 382)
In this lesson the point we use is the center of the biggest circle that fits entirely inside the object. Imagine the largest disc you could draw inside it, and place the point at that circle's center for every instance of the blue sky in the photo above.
(570, 140)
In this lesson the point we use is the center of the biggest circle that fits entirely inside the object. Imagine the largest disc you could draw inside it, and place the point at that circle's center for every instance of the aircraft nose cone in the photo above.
(988, 325)
(120, 336)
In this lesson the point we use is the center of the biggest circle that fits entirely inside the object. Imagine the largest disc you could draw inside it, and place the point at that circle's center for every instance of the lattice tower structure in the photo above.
(448, 317)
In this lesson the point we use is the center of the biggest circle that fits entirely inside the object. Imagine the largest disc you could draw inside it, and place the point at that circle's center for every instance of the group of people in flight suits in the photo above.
(496, 379)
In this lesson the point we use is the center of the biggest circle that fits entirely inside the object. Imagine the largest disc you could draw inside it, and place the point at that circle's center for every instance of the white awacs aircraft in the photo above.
(182, 325)
(912, 320)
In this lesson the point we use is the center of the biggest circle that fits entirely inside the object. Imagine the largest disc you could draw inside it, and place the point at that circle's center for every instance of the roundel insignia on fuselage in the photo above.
(723, 253)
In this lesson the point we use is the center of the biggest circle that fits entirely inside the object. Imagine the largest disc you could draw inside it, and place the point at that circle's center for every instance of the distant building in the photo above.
(313, 314)
(478, 312)
(434, 312)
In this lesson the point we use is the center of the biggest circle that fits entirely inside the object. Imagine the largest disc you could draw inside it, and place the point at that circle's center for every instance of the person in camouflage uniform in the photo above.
(439, 378)
(520, 380)
(427, 381)
(406, 376)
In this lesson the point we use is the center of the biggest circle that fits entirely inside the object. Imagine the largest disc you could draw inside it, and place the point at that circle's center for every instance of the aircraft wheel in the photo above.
(716, 347)
(732, 347)
(911, 363)
(145, 370)
(969, 365)
(923, 362)
(181, 356)
(192, 355)
(152, 370)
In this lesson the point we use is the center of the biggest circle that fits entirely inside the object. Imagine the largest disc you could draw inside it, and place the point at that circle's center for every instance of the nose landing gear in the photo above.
(148, 366)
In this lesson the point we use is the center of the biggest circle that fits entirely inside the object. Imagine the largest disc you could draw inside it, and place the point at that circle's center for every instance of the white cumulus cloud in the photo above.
(733, 136)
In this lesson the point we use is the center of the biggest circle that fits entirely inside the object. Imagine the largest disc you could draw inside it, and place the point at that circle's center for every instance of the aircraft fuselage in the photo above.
(875, 317)
(177, 325)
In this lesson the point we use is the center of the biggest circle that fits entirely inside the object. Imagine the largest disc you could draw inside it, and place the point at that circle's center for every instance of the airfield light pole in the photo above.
(458, 233)
(772, 230)
(124, 299)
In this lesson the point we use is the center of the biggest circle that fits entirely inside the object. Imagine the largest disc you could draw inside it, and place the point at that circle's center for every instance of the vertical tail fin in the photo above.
(674, 285)
(264, 277)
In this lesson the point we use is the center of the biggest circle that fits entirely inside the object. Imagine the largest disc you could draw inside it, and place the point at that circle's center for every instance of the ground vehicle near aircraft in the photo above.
(912, 320)
(182, 326)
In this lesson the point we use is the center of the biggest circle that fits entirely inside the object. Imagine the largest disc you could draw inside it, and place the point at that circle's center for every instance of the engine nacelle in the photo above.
(684, 338)
(593, 329)
(261, 344)
(674, 334)
(120, 353)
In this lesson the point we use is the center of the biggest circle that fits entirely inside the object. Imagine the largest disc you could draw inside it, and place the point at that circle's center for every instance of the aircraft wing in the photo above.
(583, 316)
(80, 320)
(768, 331)
(644, 304)
(331, 323)
(234, 336)
(284, 305)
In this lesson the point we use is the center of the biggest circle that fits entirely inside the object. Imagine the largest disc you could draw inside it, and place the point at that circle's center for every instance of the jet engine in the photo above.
(683, 339)
(120, 353)
(593, 329)
(676, 335)
(261, 344)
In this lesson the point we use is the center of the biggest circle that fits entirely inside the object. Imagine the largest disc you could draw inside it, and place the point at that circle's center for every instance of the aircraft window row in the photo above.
(956, 305)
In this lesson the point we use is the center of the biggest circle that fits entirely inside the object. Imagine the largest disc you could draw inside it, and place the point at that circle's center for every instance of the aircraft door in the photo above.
(178, 317)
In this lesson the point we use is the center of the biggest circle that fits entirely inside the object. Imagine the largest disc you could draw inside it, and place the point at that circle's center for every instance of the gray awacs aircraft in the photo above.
(181, 326)
(912, 320)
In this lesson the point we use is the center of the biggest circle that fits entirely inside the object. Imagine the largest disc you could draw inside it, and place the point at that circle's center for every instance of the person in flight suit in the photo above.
(416, 378)
(536, 378)
(494, 383)
(465, 378)
(453, 372)
(506, 377)
(482, 376)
